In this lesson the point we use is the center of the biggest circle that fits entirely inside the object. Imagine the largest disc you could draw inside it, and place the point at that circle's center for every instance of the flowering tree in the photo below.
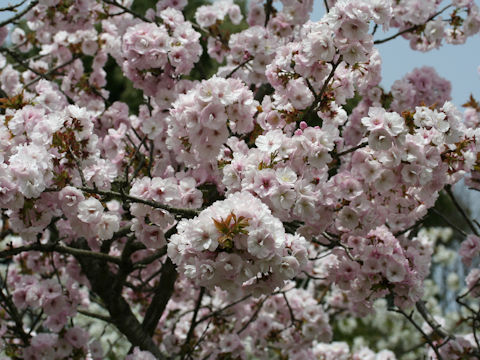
(253, 212)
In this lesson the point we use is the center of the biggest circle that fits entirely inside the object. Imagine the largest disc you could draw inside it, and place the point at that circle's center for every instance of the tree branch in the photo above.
(60, 249)
(12, 7)
(448, 190)
(131, 12)
(412, 28)
(194, 323)
(229, 75)
(102, 282)
(49, 72)
(163, 293)
(187, 213)
(419, 328)
(318, 98)
(20, 14)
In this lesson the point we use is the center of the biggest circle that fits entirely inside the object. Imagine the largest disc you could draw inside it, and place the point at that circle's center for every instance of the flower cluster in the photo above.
(421, 86)
(201, 119)
(150, 224)
(87, 216)
(155, 53)
(255, 46)
(237, 245)
(208, 15)
(379, 264)
(245, 208)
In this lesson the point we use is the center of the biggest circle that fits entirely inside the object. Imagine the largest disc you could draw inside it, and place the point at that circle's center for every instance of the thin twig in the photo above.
(188, 213)
(359, 146)
(412, 28)
(79, 166)
(95, 315)
(460, 209)
(452, 225)
(131, 12)
(12, 7)
(318, 98)
(417, 223)
(216, 312)
(229, 75)
(253, 317)
(194, 323)
(60, 249)
(20, 14)
(149, 259)
(290, 310)
(20, 61)
(49, 72)
(419, 328)
(12, 310)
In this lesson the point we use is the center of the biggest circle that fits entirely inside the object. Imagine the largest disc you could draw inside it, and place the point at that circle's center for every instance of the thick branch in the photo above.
(163, 292)
(102, 282)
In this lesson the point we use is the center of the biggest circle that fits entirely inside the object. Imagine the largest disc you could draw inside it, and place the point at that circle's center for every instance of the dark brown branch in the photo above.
(19, 15)
(20, 61)
(460, 209)
(253, 317)
(451, 224)
(436, 327)
(12, 7)
(229, 75)
(60, 249)
(193, 323)
(216, 312)
(95, 315)
(412, 28)
(49, 72)
(348, 151)
(268, 11)
(11, 309)
(163, 293)
(149, 259)
(131, 12)
(290, 310)
(419, 328)
(187, 213)
(319, 96)
(327, 8)
(103, 283)
(419, 222)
